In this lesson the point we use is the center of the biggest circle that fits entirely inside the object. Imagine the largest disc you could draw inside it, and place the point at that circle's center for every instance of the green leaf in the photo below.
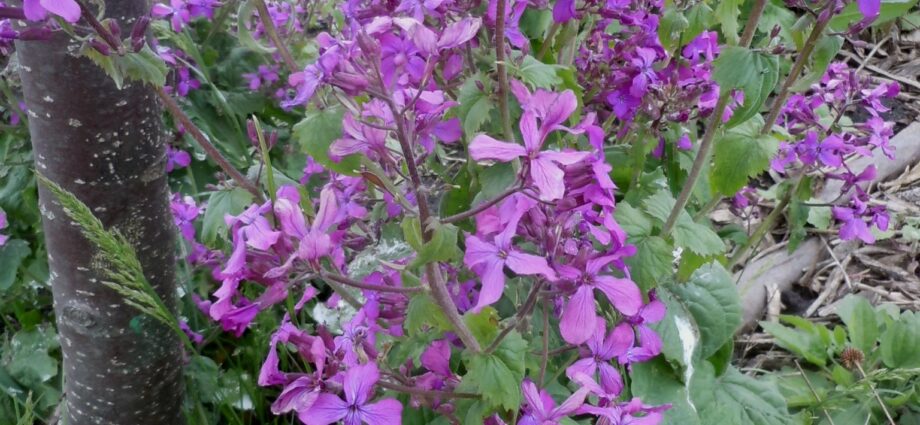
(483, 325)
(410, 347)
(727, 13)
(221, 203)
(900, 344)
(712, 301)
(423, 313)
(697, 237)
(825, 50)
(475, 104)
(738, 399)
(805, 344)
(687, 233)
(729, 172)
(202, 375)
(656, 383)
(537, 74)
(497, 376)
(30, 362)
(441, 247)
(652, 261)
(11, 256)
(755, 73)
(317, 131)
(144, 66)
(632, 220)
(859, 317)
(412, 232)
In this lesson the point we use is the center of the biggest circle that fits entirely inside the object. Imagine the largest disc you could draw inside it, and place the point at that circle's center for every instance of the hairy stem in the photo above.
(502, 72)
(766, 225)
(272, 32)
(209, 148)
(797, 67)
(361, 285)
(481, 207)
(714, 122)
(524, 310)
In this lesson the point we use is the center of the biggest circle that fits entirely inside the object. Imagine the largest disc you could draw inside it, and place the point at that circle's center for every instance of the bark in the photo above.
(106, 146)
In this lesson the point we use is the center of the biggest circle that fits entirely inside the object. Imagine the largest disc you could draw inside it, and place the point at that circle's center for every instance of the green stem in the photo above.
(768, 223)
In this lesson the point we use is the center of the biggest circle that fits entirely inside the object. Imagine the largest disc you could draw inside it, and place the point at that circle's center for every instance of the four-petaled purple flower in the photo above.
(356, 408)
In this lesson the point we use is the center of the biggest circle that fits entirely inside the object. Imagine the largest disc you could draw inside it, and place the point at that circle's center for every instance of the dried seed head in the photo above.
(851, 357)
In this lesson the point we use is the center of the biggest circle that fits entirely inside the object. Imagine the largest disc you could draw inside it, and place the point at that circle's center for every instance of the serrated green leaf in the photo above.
(738, 399)
(497, 376)
(537, 74)
(221, 203)
(483, 325)
(423, 313)
(412, 232)
(441, 247)
(656, 383)
(652, 261)
(29, 361)
(712, 301)
(475, 105)
(687, 233)
(144, 66)
(739, 154)
(889, 10)
(757, 92)
(859, 317)
(824, 52)
(726, 14)
(11, 256)
(632, 220)
(317, 131)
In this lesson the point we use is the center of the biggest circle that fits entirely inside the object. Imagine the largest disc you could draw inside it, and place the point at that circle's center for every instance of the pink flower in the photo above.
(355, 409)
(37, 10)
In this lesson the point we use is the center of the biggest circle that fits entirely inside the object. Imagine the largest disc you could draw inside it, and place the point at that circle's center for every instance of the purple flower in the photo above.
(541, 409)
(355, 409)
(579, 316)
(176, 158)
(3, 224)
(265, 75)
(854, 227)
(545, 171)
(37, 10)
(490, 259)
(185, 211)
(603, 347)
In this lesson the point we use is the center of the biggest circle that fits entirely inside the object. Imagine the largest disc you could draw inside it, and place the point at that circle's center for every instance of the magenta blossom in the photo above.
(545, 171)
(355, 409)
(541, 409)
(601, 349)
(579, 317)
(37, 10)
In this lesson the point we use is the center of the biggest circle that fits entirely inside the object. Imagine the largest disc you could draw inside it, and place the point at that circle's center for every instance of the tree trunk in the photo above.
(106, 146)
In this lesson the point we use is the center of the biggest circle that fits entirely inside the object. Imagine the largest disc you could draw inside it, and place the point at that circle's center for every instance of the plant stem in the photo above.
(361, 285)
(482, 206)
(502, 72)
(544, 358)
(877, 397)
(209, 148)
(702, 156)
(766, 225)
(548, 41)
(525, 309)
(439, 291)
(814, 393)
(425, 393)
(267, 159)
(751, 27)
(797, 67)
(266, 18)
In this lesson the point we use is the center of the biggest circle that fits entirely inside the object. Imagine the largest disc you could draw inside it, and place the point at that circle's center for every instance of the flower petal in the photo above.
(622, 293)
(359, 382)
(579, 316)
(527, 264)
(547, 176)
(493, 284)
(383, 412)
(327, 409)
(67, 9)
(484, 147)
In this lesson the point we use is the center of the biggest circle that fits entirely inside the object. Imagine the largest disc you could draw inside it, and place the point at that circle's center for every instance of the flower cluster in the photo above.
(823, 144)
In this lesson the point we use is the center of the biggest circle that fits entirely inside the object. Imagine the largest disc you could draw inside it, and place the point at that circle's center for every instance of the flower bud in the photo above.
(775, 31)
(101, 47)
(113, 27)
(34, 34)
